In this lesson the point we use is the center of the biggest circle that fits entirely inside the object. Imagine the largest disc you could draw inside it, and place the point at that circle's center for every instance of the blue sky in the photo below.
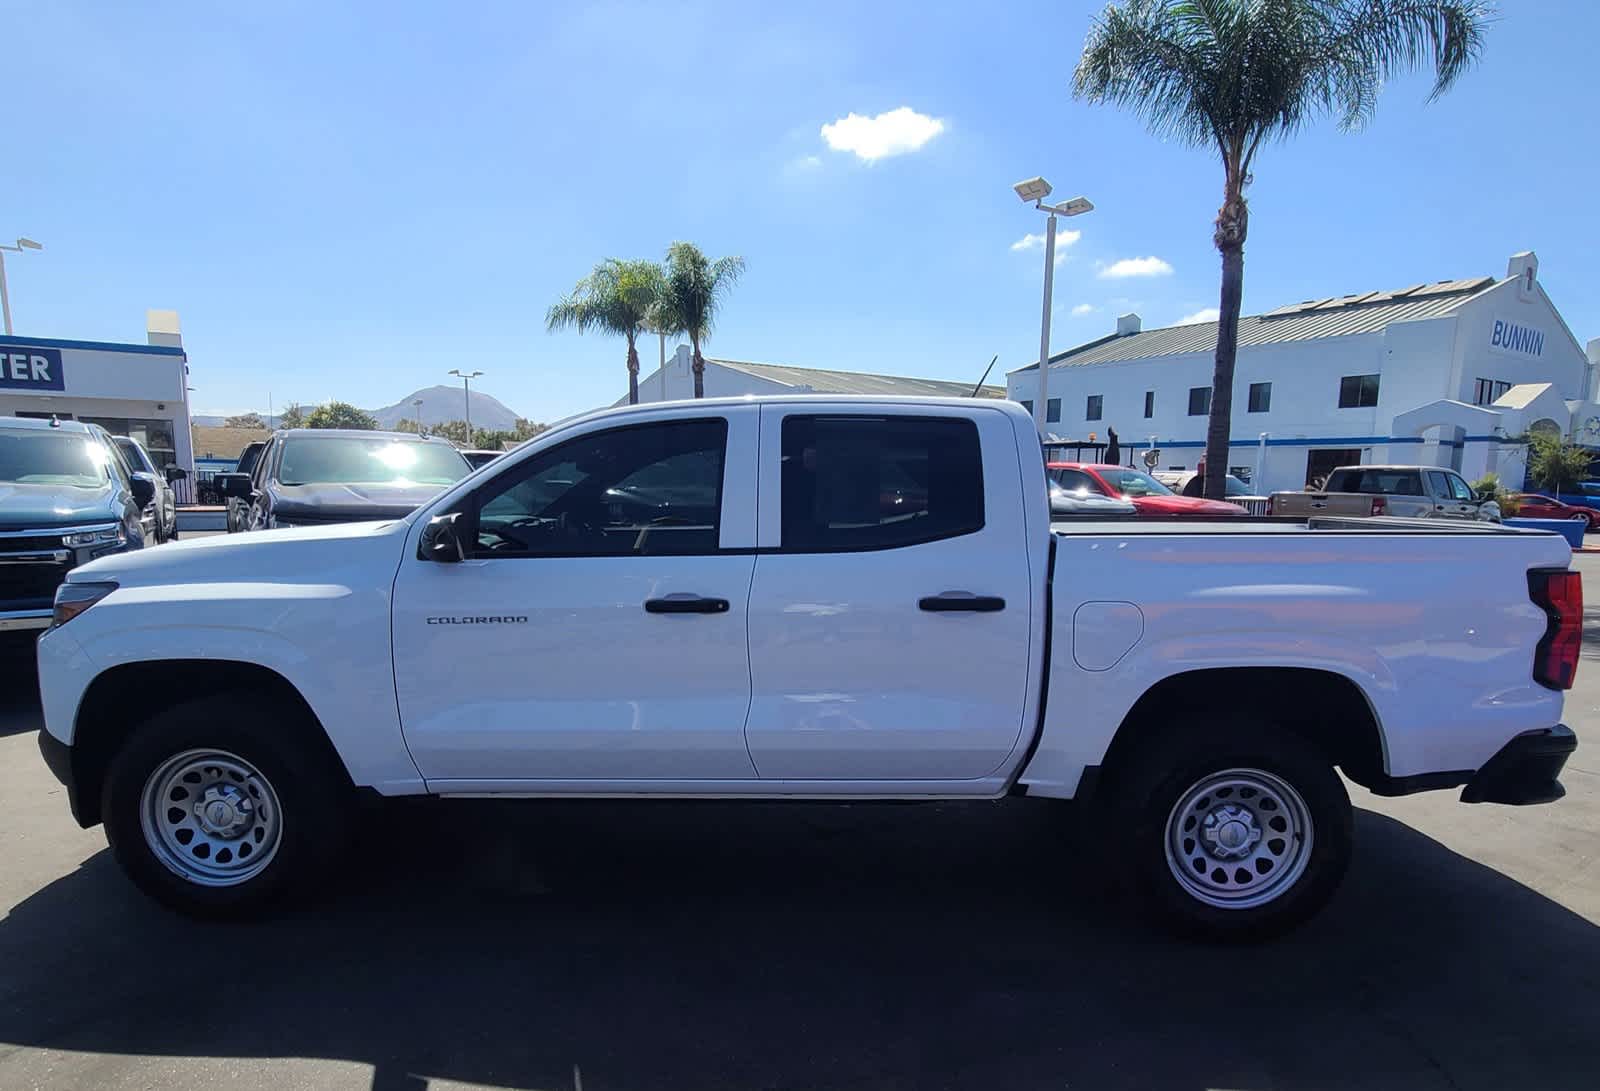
(346, 202)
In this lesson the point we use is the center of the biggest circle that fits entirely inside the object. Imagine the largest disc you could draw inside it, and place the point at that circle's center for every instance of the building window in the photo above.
(1358, 391)
(1091, 409)
(1149, 404)
(1052, 410)
(1027, 403)
(1488, 391)
(1260, 397)
(1199, 401)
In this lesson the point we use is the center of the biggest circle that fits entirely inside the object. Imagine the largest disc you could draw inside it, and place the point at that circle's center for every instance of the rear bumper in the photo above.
(58, 759)
(1525, 770)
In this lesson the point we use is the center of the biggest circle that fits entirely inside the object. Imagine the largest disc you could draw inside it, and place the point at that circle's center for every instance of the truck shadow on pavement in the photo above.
(715, 945)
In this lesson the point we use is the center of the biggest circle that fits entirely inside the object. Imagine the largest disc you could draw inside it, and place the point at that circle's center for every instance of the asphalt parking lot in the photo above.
(697, 946)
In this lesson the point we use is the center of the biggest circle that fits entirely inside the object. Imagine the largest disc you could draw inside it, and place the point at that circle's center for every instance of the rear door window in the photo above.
(862, 483)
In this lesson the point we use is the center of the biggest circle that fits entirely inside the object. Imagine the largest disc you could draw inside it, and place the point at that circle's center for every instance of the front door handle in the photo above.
(952, 601)
(685, 604)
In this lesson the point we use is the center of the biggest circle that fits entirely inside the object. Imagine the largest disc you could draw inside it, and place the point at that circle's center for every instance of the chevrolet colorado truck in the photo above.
(807, 597)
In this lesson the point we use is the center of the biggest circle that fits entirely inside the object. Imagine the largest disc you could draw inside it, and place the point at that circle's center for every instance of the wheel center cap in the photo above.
(1231, 831)
(224, 811)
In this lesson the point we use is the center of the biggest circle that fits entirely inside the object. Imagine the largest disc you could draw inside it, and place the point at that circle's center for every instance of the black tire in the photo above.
(1160, 776)
(313, 795)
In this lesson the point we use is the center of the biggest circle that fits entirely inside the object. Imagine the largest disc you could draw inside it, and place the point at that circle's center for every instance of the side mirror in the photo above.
(175, 472)
(441, 541)
(234, 485)
(144, 490)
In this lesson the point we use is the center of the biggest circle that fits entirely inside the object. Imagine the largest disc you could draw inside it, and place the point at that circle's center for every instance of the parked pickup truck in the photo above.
(1417, 492)
(820, 598)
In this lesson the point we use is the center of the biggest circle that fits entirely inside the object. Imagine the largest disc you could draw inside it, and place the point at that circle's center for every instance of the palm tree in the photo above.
(616, 298)
(696, 288)
(1230, 74)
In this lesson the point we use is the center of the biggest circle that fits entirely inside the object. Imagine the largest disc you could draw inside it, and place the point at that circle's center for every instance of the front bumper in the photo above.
(24, 620)
(1525, 769)
(58, 759)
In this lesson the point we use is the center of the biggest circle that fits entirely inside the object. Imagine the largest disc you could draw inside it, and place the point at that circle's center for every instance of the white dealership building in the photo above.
(1439, 374)
(138, 390)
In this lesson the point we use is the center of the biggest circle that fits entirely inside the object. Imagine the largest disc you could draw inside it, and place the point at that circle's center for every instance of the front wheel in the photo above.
(215, 811)
(1235, 833)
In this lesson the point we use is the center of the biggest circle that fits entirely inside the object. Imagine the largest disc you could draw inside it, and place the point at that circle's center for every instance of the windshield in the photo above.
(1131, 482)
(51, 458)
(353, 460)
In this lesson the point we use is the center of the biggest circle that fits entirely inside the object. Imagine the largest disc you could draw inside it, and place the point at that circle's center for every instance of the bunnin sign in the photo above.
(1510, 339)
(31, 369)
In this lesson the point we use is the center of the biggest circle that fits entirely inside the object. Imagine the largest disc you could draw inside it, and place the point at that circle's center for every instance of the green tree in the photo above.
(292, 417)
(1555, 464)
(1231, 74)
(525, 429)
(453, 430)
(696, 289)
(245, 420)
(615, 298)
(340, 415)
(407, 425)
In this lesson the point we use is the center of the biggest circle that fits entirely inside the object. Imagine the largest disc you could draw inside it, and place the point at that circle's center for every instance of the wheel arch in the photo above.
(1328, 709)
(121, 696)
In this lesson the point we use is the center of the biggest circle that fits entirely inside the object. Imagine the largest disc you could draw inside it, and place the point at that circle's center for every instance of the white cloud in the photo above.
(896, 132)
(1032, 241)
(1082, 309)
(1136, 267)
(1204, 314)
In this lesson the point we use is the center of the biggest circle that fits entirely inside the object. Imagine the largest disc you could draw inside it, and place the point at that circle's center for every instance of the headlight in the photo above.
(96, 537)
(73, 599)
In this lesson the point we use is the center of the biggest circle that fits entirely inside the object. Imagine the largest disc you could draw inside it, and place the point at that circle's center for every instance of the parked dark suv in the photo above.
(316, 476)
(239, 506)
(66, 497)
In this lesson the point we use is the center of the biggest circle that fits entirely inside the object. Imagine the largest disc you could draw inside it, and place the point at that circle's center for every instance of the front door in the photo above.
(890, 617)
(596, 629)
(1452, 496)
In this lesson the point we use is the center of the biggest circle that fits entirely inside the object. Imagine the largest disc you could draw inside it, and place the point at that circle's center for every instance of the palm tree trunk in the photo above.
(1233, 223)
(699, 368)
(633, 372)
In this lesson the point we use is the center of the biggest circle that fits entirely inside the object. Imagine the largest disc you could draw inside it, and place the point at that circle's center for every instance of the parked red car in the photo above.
(1532, 505)
(1149, 496)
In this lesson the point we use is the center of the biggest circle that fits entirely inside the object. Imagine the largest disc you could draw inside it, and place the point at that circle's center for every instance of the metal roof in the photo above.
(855, 382)
(1336, 316)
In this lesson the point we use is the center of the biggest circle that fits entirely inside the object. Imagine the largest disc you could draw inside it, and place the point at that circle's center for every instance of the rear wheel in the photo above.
(1235, 833)
(215, 810)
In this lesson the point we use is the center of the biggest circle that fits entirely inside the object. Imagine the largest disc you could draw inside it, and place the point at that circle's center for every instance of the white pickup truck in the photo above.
(807, 598)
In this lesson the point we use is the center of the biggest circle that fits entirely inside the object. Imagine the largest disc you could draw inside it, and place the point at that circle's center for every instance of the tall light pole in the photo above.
(466, 396)
(417, 405)
(1036, 190)
(5, 296)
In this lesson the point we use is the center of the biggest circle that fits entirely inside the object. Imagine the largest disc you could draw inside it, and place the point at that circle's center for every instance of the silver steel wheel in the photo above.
(211, 817)
(1238, 839)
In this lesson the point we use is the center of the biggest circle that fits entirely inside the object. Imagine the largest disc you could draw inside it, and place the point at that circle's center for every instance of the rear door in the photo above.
(890, 613)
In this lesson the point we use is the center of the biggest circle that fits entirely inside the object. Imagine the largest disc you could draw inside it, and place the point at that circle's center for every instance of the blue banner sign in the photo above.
(31, 369)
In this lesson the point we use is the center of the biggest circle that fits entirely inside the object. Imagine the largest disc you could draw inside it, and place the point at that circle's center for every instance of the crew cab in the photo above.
(1418, 492)
(66, 497)
(808, 598)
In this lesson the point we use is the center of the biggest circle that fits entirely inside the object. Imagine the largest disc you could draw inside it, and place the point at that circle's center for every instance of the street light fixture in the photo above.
(5, 296)
(1035, 190)
(466, 378)
(417, 405)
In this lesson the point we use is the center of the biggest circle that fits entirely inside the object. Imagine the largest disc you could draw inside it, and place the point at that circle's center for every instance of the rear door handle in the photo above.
(685, 604)
(952, 601)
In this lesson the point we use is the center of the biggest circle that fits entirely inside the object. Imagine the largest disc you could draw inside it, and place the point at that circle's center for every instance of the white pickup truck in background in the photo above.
(823, 598)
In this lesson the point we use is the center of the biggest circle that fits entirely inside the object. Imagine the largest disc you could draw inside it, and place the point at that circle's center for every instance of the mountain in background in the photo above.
(444, 403)
(439, 404)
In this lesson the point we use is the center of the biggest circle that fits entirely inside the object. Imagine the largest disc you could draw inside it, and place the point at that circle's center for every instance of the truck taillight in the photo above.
(1272, 502)
(1379, 505)
(1559, 593)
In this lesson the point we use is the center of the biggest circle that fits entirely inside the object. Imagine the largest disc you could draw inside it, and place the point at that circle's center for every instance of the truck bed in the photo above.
(1235, 527)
